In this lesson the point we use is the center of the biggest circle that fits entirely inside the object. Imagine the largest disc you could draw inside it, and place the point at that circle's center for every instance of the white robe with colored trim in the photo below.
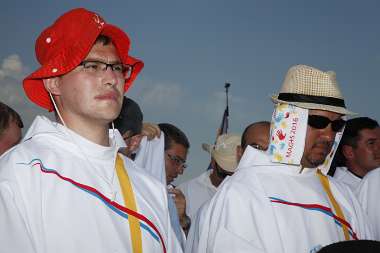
(368, 194)
(43, 212)
(242, 218)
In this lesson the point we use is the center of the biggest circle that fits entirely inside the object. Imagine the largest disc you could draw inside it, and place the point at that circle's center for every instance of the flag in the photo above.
(224, 126)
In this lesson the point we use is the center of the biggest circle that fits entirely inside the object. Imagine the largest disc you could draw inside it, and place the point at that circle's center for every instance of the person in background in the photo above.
(358, 151)
(10, 128)
(199, 190)
(175, 152)
(255, 135)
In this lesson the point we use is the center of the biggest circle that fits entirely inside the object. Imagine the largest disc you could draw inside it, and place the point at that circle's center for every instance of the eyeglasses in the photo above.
(177, 160)
(321, 122)
(96, 67)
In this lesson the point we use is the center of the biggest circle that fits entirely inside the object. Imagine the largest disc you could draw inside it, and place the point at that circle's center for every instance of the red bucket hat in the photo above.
(61, 47)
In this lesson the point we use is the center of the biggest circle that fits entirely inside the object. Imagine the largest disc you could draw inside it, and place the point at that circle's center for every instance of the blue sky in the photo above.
(191, 48)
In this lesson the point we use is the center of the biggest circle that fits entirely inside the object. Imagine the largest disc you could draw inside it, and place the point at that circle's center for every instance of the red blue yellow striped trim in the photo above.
(318, 208)
(114, 206)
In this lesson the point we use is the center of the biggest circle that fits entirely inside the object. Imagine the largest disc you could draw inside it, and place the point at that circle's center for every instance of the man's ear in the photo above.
(52, 85)
(348, 152)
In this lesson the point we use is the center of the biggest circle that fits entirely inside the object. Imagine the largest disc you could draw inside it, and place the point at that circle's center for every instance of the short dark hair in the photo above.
(103, 39)
(243, 143)
(7, 115)
(173, 134)
(130, 118)
(351, 136)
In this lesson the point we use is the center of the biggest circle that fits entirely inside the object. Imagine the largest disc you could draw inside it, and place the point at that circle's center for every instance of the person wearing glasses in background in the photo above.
(224, 161)
(65, 187)
(281, 200)
(176, 146)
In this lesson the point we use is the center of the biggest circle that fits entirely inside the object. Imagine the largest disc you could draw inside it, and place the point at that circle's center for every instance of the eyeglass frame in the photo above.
(125, 67)
(178, 160)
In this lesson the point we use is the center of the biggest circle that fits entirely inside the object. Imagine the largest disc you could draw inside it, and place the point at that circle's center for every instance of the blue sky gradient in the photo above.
(191, 48)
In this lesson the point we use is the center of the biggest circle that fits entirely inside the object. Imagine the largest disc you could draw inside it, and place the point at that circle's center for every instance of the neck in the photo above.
(356, 170)
(92, 131)
(215, 180)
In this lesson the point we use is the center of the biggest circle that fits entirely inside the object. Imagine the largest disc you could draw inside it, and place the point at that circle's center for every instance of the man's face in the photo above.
(10, 137)
(175, 158)
(366, 154)
(89, 97)
(318, 142)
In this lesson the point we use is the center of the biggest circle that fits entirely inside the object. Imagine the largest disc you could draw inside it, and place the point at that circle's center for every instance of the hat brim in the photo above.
(313, 106)
(67, 61)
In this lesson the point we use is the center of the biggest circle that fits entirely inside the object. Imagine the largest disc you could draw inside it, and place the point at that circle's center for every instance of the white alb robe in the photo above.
(344, 175)
(197, 191)
(270, 207)
(59, 192)
(368, 194)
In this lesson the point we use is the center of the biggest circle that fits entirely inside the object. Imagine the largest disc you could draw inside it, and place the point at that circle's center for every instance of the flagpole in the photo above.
(227, 86)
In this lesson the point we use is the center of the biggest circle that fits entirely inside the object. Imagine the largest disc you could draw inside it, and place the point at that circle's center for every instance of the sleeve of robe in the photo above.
(14, 234)
(368, 195)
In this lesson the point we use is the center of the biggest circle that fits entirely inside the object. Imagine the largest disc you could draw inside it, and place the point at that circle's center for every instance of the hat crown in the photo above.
(226, 144)
(305, 80)
(65, 33)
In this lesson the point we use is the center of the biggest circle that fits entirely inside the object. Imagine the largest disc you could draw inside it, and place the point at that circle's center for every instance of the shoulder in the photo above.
(194, 181)
(140, 176)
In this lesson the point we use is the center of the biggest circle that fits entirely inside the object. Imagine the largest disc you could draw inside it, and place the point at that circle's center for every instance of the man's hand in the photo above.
(150, 130)
(180, 202)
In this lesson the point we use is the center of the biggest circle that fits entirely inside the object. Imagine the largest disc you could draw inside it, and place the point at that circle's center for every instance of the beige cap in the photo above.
(224, 151)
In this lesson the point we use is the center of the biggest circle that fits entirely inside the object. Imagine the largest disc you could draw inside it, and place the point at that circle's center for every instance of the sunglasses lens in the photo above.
(318, 122)
(321, 122)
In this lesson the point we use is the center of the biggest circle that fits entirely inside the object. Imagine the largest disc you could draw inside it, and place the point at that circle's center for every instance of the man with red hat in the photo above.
(65, 188)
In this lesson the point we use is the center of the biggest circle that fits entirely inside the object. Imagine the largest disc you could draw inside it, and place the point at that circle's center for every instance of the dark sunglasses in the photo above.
(321, 122)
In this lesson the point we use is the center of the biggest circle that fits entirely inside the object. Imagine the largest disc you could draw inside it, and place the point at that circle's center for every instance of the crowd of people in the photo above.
(100, 179)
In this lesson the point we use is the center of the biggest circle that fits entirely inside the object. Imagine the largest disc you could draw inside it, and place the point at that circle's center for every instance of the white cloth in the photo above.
(344, 175)
(197, 191)
(150, 157)
(368, 194)
(243, 215)
(46, 204)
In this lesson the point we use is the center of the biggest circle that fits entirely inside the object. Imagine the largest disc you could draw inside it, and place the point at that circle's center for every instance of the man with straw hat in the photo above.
(223, 162)
(65, 188)
(281, 200)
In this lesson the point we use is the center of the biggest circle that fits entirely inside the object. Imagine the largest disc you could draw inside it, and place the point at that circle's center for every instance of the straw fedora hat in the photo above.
(311, 88)
(224, 151)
